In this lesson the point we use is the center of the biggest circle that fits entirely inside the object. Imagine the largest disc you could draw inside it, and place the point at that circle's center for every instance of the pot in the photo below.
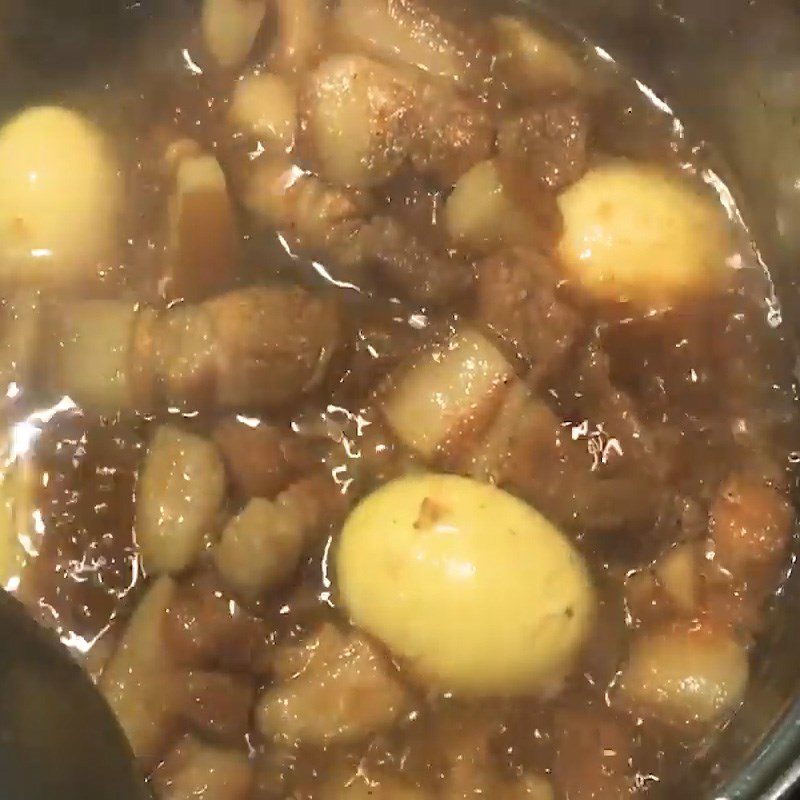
(730, 69)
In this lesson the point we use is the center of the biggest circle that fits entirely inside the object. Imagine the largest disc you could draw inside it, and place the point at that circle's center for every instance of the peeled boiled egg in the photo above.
(59, 197)
(634, 233)
(469, 587)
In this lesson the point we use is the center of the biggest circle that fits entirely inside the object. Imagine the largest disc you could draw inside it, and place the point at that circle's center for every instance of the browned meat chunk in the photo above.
(418, 271)
(332, 687)
(274, 344)
(142, 684)
(336, 221)
(549, 144)
(204, 629)
(317, 215)
(518, 299)
(454, 134)
(261, 459)
(562, 476)
(366, 118)
(751, 525)
(197, 771)
(260, 549)
(179, 498)
(589, 396)
(202, 254)
(262, 346)
(218, 705)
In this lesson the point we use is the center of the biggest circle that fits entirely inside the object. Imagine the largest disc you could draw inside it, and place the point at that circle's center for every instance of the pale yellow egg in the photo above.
(632, 232)
(469, 587)
(60, 196)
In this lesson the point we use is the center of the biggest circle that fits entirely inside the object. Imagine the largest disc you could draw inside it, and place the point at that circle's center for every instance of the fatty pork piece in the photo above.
(230, 31)
(142, 686)
(563, 474)
(261, 547)
(496, 205)
(443, 399)
(365, 119)
(338, 222)
(262, 347)
(179, 497)
(261, 459)
(518, 299)
(410, 33)
(203, 240)
(529, 61)
(546, 144)
(194, 770)
(334, 686)
(301, 26)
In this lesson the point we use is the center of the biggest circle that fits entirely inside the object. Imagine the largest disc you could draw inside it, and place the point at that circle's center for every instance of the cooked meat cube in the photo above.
(301, 28)
(685, 674)
(206, 630)
(751, 525)
(141, 684)
(491, 208)
(230, 28)
(273, 344)
(180, 495)
(413, 34)
(264, 108)
(420, 272)
(318, 215)
(548, 144)
(366, 118)
(262, 346)
(260, 548)
(197, 771)
(557, 474)
(261, 459)
(337, 222)
(518, 299)
(454, 134)
(218, 705)
(203, 248)
(92, 363)
(531, 61)
(332, 687)
(442, 399)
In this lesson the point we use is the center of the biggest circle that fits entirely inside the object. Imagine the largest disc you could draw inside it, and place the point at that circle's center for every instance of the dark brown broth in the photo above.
(693, 373)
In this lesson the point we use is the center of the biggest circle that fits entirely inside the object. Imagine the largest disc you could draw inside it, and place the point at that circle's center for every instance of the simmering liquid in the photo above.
(396, 406)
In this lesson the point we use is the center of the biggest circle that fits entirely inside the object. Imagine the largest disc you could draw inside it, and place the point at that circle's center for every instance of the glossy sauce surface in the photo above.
(344, 247)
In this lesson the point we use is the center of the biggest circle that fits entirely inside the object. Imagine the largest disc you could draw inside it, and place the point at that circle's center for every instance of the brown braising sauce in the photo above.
(258, 304)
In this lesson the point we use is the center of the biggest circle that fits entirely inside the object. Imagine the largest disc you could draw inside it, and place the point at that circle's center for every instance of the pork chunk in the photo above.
(548, 143)
(518, 299)
(332, 687)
